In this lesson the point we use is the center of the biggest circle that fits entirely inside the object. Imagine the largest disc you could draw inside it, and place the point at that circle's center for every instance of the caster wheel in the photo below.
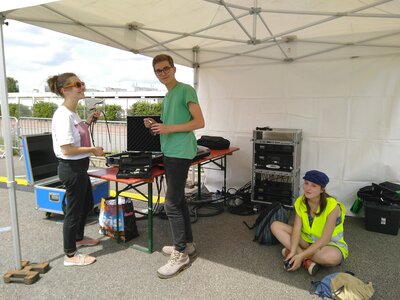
(48, 215)
(96, 210)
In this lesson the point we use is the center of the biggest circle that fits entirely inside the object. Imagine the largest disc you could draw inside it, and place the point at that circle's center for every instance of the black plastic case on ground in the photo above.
(382, 218)
(382, 207)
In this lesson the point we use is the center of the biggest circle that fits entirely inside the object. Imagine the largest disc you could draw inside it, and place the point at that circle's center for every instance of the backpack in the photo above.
(342, 286)
(274, 212)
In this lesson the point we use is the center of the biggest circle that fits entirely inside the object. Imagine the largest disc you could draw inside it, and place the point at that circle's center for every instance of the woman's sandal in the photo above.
(87, 242)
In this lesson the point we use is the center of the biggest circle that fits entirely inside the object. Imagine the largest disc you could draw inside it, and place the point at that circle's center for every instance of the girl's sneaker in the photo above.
(311, 267)
(285, 252)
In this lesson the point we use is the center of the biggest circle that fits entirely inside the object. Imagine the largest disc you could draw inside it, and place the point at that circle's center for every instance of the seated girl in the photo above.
(316, 237)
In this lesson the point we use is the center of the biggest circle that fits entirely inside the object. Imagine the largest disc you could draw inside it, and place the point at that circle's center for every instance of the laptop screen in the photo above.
(139, 137)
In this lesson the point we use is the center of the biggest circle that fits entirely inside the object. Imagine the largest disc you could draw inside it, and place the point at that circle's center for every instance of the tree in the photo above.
(43, 109)
(113, 112)
(19, 111)
(82, 111)
(144, 108)
(12, 85)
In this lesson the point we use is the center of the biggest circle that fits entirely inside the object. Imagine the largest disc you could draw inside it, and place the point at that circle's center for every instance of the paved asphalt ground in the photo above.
(229, 266)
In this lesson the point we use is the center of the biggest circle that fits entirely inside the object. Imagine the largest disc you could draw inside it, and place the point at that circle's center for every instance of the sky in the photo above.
(33, 54)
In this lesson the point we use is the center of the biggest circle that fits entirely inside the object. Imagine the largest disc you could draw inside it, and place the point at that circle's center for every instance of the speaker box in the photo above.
(268, 148)
(273, 188)
(139, 137)
(274, 161)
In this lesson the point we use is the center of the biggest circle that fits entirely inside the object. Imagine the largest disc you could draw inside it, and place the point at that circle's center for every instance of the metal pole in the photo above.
(195, 84)
(196, 66)
(9, 152)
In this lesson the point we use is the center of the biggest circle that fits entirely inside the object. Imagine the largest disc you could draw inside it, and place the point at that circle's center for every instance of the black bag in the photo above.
(390, 191)
(385, 193)
(126, 215)
(213, 142)
(274, 212)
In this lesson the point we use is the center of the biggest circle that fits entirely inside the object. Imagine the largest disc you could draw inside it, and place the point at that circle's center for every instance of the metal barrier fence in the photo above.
(15, 136)
(112, 136)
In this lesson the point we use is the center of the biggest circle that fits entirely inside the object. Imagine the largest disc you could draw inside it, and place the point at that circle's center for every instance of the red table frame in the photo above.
(133, 183)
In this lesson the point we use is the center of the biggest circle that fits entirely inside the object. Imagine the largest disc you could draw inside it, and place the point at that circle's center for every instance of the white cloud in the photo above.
(33, 54)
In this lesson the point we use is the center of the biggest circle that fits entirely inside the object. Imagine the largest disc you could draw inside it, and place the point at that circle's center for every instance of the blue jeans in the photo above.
(176, 207)
(78, 189)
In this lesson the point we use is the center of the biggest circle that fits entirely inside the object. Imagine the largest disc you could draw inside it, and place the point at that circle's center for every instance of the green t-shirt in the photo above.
(175, 110)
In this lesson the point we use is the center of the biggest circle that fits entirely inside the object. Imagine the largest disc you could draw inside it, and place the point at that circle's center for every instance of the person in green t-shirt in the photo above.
(180, 115)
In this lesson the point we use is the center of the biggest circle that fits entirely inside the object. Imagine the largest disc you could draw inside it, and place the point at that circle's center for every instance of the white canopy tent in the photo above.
(330, 68)
(257, 31)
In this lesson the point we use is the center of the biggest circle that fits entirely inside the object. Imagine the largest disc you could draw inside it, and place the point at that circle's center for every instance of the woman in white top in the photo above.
(71, 144)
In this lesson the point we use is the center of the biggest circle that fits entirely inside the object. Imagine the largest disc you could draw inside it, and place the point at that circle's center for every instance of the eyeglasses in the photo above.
(165, 70)
(77, 84)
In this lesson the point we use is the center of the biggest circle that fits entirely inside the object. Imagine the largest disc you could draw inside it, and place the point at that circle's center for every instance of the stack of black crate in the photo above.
(276, 165)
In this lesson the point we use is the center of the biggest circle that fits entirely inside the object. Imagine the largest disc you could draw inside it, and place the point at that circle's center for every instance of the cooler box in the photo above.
(382, 218)
(41, 170)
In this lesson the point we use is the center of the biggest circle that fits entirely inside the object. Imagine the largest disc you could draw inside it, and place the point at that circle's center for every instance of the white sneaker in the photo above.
(78, 260)
(177, 262)
(190, 249)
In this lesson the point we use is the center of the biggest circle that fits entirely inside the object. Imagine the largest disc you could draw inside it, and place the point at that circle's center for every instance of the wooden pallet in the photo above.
(41, 268)
(28, 274)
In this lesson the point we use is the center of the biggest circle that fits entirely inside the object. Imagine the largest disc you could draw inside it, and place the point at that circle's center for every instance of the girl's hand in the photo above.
(290, 255)
(296, 262)
(93, 117)
(98, 151)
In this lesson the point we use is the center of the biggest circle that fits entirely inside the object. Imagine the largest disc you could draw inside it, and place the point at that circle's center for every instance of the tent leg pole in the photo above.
(9, 152)
(195, 83)
(196, 66)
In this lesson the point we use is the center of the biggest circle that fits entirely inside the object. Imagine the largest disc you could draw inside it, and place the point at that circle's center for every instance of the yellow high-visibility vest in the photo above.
(311, 234)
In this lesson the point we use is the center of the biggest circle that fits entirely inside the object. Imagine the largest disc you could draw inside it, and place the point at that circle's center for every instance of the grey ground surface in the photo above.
(229, 266)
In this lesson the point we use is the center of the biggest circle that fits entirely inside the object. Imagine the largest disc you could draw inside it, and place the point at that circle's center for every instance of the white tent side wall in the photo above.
(348, 110)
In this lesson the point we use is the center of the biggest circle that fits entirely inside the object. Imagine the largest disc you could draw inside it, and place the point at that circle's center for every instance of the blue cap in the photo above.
(317, 177)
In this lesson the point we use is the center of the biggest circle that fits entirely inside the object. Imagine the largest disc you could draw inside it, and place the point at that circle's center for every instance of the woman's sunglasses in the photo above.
(77, 84)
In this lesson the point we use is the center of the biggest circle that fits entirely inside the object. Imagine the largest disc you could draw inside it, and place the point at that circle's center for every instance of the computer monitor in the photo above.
(139, 137)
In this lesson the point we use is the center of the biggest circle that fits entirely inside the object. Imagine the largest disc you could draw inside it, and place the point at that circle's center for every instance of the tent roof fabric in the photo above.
(212, 33)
